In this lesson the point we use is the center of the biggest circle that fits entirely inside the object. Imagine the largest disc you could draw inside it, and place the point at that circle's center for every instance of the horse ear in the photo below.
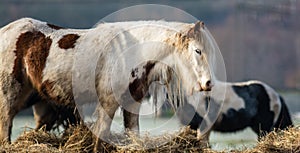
(195, 29)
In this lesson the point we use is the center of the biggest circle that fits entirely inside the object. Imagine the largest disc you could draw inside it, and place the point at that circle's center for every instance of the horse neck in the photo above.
(159, 48)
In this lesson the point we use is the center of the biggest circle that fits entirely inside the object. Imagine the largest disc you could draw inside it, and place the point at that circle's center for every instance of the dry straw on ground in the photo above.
(80, 139)
(285, 141)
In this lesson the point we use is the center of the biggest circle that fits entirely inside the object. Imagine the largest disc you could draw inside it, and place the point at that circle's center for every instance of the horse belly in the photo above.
(232, 121)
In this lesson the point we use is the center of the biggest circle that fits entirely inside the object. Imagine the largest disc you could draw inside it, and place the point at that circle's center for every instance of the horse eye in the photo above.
(198, 51)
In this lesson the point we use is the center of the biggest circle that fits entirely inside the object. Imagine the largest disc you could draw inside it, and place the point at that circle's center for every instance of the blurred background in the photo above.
(259, 39)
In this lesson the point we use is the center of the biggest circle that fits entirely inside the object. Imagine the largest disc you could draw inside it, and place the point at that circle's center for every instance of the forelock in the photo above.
(180, 41)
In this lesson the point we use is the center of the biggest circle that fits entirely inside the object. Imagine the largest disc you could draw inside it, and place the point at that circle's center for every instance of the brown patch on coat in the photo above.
(32, 47)
(68, 41)
(47, 89)
(139, 86)
(54, 26)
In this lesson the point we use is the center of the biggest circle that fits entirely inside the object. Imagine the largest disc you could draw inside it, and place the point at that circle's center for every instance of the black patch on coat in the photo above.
(197, 121)
(188, 116)
(212, 108)
(256, 113)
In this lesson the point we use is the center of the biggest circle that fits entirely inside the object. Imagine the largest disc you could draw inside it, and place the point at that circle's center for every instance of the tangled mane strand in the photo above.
(172, 89)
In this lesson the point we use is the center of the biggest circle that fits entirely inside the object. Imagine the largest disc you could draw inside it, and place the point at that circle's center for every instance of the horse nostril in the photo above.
(208, 84)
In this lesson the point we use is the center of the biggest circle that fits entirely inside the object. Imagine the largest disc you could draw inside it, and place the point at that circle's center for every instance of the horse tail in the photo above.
(284, 120)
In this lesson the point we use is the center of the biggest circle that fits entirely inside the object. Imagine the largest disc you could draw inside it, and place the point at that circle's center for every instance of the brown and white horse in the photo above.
(37, 58)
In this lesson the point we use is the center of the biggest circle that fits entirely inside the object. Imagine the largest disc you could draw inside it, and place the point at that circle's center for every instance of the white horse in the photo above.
(36, 57)
(251, 104)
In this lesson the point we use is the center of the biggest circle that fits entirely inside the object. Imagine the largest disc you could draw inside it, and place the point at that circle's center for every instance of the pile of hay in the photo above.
(80, 139)
(185, 141)
(282, 141)
(33, 142)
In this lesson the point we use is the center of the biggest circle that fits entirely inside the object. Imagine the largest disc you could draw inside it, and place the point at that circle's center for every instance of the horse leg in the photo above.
(262, 123)
(52, 115)
(131, 121)
(131, 117)
(6, 119)
(13, 98)
(205, 138)
(105, 111)
(44, 115)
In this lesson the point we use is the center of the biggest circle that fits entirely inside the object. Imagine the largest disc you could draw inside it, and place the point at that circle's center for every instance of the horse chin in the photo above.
(197, 87)
(206, 89)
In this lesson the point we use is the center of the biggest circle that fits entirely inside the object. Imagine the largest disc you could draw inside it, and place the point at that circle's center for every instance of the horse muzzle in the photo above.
(206, 86)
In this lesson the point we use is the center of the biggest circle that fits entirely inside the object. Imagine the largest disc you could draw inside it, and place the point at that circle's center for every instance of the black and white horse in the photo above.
(251, 104)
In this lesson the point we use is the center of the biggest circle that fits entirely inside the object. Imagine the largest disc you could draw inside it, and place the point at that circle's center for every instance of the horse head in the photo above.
(195, 52)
